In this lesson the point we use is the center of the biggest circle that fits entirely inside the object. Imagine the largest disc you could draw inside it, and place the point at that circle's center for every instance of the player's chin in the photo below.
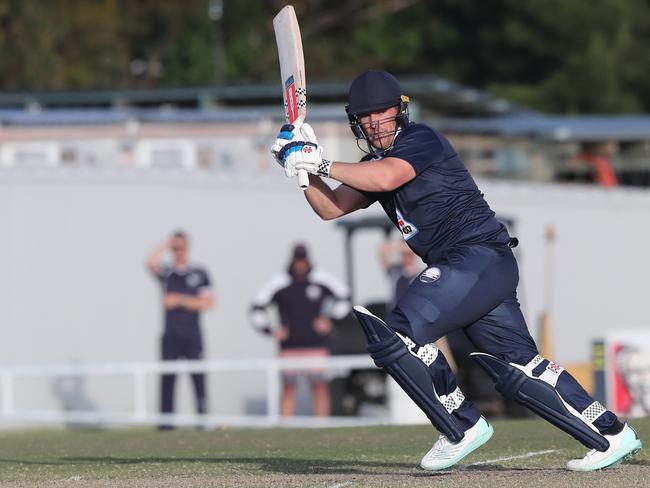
(381, 143)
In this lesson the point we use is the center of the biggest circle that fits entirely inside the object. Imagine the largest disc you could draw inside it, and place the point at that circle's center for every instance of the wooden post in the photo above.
(546, 340)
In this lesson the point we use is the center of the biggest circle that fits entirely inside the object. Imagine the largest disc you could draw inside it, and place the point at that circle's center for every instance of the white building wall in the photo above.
(73, 287)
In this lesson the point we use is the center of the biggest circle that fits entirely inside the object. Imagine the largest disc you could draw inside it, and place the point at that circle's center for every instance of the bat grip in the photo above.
(303, 179)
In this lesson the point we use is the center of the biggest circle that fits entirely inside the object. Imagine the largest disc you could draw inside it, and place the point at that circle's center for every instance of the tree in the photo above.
(567, 56)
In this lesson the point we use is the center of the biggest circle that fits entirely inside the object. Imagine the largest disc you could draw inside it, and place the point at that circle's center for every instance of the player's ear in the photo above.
(402, 117)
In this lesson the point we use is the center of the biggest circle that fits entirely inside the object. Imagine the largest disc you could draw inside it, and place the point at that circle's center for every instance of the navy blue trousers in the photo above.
(177, 346)
(473, 289)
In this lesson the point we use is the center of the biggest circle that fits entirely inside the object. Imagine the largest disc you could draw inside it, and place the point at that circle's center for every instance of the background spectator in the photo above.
(306, 300)
(186, 293)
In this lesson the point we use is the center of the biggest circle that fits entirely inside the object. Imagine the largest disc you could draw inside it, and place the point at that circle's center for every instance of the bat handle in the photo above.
(303, 179)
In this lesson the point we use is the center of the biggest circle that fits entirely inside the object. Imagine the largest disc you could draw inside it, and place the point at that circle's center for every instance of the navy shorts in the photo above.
(473, 289)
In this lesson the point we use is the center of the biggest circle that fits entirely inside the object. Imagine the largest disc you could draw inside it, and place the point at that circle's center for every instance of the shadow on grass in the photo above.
(287, 465)
(281, 465)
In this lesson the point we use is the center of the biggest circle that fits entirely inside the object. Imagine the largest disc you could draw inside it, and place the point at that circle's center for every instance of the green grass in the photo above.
(369, 456)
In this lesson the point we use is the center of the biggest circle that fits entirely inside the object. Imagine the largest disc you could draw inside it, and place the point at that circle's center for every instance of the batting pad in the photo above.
(410, 372)
(540, 397)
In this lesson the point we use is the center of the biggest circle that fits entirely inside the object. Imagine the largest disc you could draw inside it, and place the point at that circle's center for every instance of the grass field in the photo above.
(523, 453)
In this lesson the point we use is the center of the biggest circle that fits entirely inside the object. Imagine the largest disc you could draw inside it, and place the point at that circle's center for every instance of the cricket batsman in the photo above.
(469, 284)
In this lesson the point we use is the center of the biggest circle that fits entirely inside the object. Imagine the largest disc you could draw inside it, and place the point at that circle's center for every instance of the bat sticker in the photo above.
(290, 97)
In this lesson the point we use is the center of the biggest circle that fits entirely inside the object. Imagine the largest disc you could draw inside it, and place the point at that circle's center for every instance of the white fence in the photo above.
(142, 413)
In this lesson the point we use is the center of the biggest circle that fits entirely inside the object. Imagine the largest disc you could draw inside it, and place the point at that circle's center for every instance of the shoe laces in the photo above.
(440, 444)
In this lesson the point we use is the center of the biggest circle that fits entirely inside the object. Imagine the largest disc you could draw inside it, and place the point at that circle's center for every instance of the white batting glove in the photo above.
(311, 160)
(288, 134)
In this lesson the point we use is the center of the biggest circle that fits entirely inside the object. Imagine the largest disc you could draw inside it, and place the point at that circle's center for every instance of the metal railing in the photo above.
(141, 414)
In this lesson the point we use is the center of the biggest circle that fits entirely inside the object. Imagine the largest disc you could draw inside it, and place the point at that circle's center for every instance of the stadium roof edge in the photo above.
(432, 91)
(102, 116)
(530, 126)
(555, 127)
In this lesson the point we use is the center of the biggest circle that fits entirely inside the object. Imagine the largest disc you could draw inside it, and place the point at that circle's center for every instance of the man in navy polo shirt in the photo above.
(469, 284)
(186, 293)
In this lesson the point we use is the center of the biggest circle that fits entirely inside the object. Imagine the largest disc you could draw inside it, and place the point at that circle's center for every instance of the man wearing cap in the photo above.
(306, 300)
(469, 283)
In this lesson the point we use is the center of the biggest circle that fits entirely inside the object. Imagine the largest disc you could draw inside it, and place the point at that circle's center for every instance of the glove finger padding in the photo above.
(291, 159)
(276, 148)
(288, 133)
(291, 148)
(296, 152)
(308, 133)
(290, 170)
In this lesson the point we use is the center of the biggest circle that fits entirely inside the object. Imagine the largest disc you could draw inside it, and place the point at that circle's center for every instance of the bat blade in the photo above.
(292, 71)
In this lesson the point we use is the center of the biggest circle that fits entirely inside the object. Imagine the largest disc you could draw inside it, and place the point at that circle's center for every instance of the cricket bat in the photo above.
(292, 72)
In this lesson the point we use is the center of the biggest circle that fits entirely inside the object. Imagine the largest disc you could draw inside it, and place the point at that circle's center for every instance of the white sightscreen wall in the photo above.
(601, 259)
(73, 286)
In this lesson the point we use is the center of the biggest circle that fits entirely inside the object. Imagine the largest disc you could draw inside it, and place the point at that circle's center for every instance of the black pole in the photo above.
(348, 262)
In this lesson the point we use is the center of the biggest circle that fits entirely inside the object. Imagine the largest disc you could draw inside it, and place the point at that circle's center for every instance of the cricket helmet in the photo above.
(374, 91)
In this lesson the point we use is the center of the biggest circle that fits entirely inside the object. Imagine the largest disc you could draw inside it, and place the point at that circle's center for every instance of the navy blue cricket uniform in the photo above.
(299, 302)
(471, 277)
(182, 335)
(399, 283)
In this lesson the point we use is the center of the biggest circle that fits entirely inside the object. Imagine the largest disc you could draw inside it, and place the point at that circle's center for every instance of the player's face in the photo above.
(179, 248)
(300, 267)
(380, 127)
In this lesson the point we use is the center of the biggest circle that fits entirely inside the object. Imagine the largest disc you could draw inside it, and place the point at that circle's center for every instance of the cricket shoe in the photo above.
(621, 446)
(445, 453)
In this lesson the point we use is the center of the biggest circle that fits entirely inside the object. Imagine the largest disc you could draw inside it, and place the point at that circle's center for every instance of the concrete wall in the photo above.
(73, 287)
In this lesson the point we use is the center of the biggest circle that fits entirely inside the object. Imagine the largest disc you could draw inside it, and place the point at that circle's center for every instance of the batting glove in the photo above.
(288, 133)
(312, 161)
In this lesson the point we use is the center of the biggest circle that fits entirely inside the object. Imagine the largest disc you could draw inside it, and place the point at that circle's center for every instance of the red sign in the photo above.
(290, 97)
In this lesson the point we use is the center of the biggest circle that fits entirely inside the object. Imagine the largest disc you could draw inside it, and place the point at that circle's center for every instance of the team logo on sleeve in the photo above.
(430, 275)
(407, 228)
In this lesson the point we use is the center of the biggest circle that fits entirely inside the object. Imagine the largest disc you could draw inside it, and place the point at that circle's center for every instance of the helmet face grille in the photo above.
(374, 91)
(402, 118)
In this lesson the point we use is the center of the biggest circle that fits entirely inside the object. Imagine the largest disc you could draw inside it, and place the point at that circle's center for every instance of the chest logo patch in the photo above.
(193, 280)
(430, 275)
(313, 292)
(407, 229)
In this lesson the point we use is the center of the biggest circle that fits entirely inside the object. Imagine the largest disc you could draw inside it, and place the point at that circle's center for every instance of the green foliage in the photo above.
(60, 45)
(567, 56)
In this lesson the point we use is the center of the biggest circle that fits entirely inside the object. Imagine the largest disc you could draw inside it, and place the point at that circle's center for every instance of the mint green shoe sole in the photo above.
(479, 441)
(482, 438)
(625, 452)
